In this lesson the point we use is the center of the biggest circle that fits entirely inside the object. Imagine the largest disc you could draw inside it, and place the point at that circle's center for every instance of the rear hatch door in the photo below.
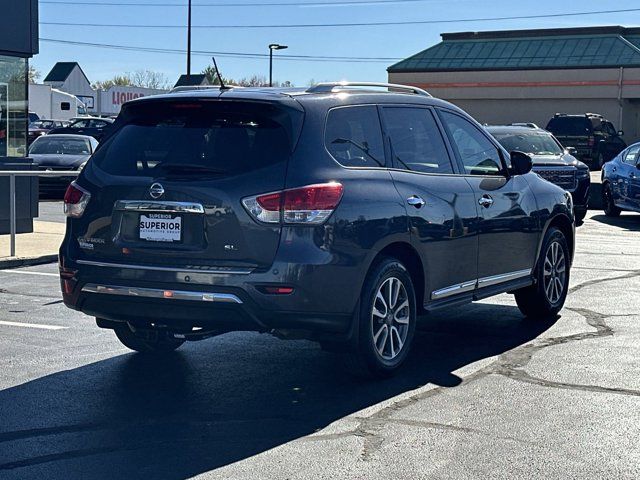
(167, 186)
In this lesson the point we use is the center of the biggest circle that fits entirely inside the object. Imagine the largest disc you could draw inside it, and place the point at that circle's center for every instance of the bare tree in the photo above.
(149, 79)
(33, 75)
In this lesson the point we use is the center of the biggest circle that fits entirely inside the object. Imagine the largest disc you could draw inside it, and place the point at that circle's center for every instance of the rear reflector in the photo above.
(274, 290)
(76, 199)
(310, 205)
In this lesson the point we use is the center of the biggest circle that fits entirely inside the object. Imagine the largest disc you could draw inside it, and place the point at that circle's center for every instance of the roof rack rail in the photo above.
(524, 124)
(186, 88)
(329, 87)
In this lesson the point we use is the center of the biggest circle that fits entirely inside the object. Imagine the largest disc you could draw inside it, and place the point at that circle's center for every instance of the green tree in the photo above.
(117, 80)
(212, 77)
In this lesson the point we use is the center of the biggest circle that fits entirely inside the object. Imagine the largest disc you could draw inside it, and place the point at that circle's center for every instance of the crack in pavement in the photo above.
(510, 364)
(596, 281)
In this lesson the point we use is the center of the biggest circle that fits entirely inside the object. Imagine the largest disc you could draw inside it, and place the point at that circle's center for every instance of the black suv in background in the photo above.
(550, 160)
(594, 138)
(337, 213)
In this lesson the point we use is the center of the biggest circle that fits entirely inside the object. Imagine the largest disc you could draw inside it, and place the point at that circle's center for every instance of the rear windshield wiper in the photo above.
(190, 168)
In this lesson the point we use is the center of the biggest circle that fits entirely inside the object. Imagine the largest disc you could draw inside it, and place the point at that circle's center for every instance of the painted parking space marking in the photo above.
(26, 272)
(32, 325)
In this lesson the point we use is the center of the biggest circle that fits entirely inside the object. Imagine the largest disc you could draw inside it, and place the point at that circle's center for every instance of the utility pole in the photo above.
(189, 42)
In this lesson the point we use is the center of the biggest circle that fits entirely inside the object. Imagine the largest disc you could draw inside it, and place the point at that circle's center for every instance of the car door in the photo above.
(626, 177)
(508, 231)
(440, 203)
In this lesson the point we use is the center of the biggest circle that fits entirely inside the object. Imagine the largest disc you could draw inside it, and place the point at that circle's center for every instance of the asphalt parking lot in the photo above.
(487, 394)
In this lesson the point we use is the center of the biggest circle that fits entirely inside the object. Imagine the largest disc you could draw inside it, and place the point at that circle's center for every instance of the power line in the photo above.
(351, 24)
(309, 58)
(235, 5)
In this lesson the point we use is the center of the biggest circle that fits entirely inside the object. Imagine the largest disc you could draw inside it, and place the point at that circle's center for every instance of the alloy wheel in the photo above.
(390, 316)
(555, 273)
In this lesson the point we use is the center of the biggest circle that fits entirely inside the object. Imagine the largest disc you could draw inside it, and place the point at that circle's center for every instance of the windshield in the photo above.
(532, 143)
(48, 145)
(575, 126)
(41, 124)
(178, 139)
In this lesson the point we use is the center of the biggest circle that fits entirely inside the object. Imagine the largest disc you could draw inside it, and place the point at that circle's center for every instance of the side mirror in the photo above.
(571, 151)
(620, 133)
(521, 163)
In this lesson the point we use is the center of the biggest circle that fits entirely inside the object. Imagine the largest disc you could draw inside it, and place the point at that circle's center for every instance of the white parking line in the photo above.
(32, 325)
(26, 272)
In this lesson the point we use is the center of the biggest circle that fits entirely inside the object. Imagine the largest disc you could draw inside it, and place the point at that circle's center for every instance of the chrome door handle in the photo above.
(415, 201)
(486, 201)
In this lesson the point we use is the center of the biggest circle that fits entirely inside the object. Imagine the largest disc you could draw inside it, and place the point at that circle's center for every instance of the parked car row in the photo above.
(64, 145)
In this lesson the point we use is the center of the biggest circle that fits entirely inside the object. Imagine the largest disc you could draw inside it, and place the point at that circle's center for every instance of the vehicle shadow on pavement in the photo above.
(221, 401)
(627, 221)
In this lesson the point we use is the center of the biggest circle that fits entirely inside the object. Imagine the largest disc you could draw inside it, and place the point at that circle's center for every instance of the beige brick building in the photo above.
(528, 75)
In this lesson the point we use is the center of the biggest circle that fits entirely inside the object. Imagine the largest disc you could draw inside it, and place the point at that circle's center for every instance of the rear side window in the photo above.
(416, 141)
(575, 126)
(354, 137)
(479, 156)
(631, 157)
(177, 139)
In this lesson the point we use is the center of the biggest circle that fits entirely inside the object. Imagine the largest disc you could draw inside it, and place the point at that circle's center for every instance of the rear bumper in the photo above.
(322, 303)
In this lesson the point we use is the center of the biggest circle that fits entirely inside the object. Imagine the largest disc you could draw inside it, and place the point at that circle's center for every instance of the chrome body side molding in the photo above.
(505, 277)
(479, 283)
(159, 293)
(454, 290)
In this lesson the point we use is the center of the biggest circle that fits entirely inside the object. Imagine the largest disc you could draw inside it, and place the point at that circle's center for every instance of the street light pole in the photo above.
(189, 41)
(272, 47)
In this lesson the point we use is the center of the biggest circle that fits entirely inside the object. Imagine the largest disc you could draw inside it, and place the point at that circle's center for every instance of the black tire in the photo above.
(157, 345)
(376, 354)
(546, 297)
(579, 217)
(609, 207)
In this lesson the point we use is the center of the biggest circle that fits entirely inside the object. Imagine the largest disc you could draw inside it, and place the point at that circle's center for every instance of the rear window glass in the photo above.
(576, 126)
(354, 136)
(175, 139)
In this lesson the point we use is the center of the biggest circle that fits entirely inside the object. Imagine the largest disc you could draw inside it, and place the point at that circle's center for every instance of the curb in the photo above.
(27, 261)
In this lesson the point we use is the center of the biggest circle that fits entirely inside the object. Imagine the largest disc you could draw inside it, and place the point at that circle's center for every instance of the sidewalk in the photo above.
(38, 247)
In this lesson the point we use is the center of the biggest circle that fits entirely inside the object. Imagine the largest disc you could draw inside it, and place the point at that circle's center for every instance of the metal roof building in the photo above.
(528, 75)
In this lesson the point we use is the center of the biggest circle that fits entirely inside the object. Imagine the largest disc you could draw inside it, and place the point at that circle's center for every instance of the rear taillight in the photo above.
(310, 205)
(76, 199)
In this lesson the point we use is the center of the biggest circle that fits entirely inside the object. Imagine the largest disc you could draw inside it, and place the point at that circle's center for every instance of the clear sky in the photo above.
(379, 41)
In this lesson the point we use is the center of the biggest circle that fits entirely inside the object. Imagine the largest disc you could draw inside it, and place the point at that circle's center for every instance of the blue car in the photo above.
(621, 182)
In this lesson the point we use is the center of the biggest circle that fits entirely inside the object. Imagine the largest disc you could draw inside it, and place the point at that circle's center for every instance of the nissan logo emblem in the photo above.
(156, 190)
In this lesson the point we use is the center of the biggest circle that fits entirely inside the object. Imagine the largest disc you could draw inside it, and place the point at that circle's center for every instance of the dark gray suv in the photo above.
(338, 213)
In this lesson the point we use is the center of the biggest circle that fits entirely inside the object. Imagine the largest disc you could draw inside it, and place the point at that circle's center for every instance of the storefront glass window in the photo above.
(13, 106)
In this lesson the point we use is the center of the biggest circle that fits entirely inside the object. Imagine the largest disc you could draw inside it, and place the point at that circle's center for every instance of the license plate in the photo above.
(160, 227)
